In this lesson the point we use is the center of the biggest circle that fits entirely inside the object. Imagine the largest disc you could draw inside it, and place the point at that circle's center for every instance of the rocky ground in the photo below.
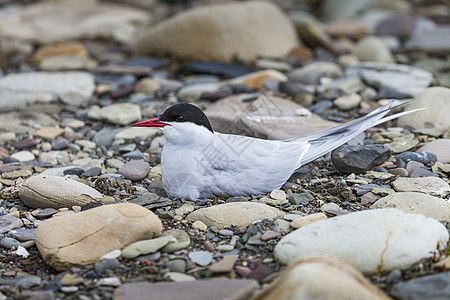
(83, 214)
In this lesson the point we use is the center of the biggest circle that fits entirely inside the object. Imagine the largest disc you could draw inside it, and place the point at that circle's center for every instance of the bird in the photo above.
(199, 163)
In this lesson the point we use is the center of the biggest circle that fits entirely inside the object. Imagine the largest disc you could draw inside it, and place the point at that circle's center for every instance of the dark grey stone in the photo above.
(23, 234)
(73, 171)
(9, 243)
(302, 198)
(106, 264)
(421, 172)
(358, 159)
(95, 171)
(423, 157)
(436, 287)
(60, 143)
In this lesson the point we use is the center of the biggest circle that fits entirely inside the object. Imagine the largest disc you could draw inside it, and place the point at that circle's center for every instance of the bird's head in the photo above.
(180, 122)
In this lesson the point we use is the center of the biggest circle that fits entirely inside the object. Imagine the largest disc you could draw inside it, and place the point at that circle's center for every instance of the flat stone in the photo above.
(23, 156)
(372, 241)
(56, 192)
(81, 239)
(306, 220)
(241, 26)
(45, 213)
(347, 102)
(9, 243)
(401, 78)
(180, 240)
(436, 286)
(132, 133)
(16, 121)
(439, 148)
(120, 113)
(8, 223)
(239, 213)
(49, 133)
(428, 185)
(23, 234)
(432, 42)
(320, 277)
(211, 289)
(416, 203)
(225, 265)
(145, 247)
(437, 104)
(313, 72)
(135, 170)
(201, 258)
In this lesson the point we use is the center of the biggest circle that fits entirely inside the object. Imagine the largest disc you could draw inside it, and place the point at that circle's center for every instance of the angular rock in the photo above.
(224, 265)
(372, 241)
(56, 192)
(416, 203)
(436, 100)
(267, 117)
(8, 223)
(227, 30)
(212, 289)
(320, 277)
(358, 159)
(81, 239)
(428, 185)
(239, 213)
(50, 133)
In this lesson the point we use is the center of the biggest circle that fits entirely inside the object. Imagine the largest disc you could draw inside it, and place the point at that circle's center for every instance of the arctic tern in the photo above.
(198, 163)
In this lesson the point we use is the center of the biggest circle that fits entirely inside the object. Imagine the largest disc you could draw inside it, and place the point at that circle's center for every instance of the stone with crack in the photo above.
(81, 239)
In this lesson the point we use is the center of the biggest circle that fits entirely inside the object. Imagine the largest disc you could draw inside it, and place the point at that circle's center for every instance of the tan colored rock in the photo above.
(320, 277)
(440, 147)
(267, 117)
(306, 220)
(416, 203)
(428, 185)
(240, 213)
(221, 32)
(81, 239)
(119, 113)
(372, 48)
(56, 192)
(50, 133)
(436, 100)
(147, 86)
(256, 79)
(67, 49)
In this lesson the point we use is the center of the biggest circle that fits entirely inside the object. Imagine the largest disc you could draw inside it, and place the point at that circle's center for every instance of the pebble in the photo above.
(49, 133)
(439, 148)
(417, 203)
(179, 240)
(239, 213)
(178, 277)
(109, 281)
(421, 172)
(145, 247)
(303, 221)
(29, 282)
(225, 265)
(9, 243)
(422, 157)
(8, 223)
(56, 192)
(278, 195)
(89, 238)
(23, 156)
(358, 159)
(119, 114)
(436, 286)
(373, 49)
(104, 265)
(269, 235)
(201, 258)
(135, 170)
(23, 234)
(347, 102)
(410, 236)
(428, 185)
(302, 198)
(46, 213)
(177, 265)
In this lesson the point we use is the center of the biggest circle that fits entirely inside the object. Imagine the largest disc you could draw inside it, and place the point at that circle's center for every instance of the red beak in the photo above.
(155, 122)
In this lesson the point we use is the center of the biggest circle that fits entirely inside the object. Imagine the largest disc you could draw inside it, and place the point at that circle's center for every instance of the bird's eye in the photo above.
(179, 119)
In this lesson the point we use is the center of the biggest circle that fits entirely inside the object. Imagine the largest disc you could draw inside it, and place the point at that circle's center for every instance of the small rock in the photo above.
(106, 264)
(135, 170)
(436, 286)
(224, 265)
(347, 102)
(439, 148)
(49, 133)
(303, 221)
(145, 247)
(373, 49)
(177, 265)
(239, 213)
(302, 198)
(422, 157)
(278, 195)
(56, 192)
(120, 114)
(8, 223)
(269, 235)
(23, 156)
(358, 159)
(201, 258)
(9, 243)
(179, 240)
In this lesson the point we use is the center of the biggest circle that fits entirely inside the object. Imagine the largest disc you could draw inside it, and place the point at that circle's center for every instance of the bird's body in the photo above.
(198, 163)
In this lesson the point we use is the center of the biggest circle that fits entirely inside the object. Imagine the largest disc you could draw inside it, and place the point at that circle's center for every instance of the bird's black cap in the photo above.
(184, 112)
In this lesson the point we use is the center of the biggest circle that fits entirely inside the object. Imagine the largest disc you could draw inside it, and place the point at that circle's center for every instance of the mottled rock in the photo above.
(81, 239)
(8, 223)
(240, 26)
(320, 277)
(56, 192)
(372, 241)
(440, 148)
(417, 203)
(239, 213)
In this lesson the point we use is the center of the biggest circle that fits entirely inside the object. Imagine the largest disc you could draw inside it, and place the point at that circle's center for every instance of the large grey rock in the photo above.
(56, 192)
(416, 203)
(436, 100)
(48, 22)
(320, 277)
(372, 241)
(266, 117)
(436, 286)
(221, 32)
